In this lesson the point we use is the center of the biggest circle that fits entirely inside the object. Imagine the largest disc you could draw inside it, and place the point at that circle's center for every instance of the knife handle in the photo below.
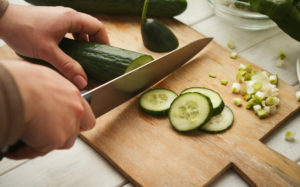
(12, 148)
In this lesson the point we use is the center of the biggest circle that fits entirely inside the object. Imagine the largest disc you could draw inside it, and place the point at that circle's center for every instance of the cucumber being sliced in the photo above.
(157, 101)
(220, 122)
(214, 97)
(189, 111)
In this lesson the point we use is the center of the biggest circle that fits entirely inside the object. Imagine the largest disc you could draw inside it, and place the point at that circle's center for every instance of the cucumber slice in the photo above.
(189, 111)
(214, 97)
(157, 101)
(220, 122)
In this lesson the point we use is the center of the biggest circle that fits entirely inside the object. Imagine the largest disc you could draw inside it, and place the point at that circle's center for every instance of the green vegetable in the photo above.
(156, 36)
(230, 45)
(233, 55)
(160, 8)
(237, 101)
(189, 111)
(220, 122)
(224, 82)
(102, 62)
(262, 113)
(212, 75)
(248, 96)
(215, 98)
(281, 55)
(285, 13)
(157, 101)
(290, 136)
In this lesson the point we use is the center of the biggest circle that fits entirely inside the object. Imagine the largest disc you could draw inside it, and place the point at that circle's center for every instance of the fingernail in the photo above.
(80, 81)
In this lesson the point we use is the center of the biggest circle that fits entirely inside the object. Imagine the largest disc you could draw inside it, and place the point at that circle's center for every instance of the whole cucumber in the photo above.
(157, 8)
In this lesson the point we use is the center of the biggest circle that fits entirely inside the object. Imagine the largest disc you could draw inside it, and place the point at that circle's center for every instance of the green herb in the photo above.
(224, 82)
(212, 75)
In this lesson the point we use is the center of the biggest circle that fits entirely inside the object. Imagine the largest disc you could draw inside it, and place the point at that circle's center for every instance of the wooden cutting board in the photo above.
(150, 153)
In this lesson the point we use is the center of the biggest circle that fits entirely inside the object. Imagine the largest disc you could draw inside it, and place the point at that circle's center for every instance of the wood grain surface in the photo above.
(150, 153)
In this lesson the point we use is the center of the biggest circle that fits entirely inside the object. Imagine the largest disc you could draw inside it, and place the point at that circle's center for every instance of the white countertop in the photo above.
(82, 166)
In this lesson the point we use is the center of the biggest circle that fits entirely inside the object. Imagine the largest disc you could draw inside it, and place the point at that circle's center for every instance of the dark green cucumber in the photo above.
(102, 62)
(190, 111)
(214, 97)
(156, 36)
(157, 101)
(160, 8)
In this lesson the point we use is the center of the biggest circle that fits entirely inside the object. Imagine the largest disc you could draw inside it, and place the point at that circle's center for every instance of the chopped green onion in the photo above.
(270, 101)
(236, 87)
(212, 75)
(247, 77)
(242, 67)
(249, 105)
(248, 96)
(254, 72)
(290, 136)
(281, 55)
(257, 86)
(243, 91)
(249, 68)
(224, 82)
(273, 79)
(237, 101)
(239, 77)
(230, 44)
(233, 55)
(298, 95)
(260, 95)
(262, 113)
(256, 107)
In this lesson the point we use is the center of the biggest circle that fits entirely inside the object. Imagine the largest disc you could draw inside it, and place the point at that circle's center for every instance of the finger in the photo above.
(85, 23)
(24, 152)
(67, 66)
(80, 36)
(88, 120)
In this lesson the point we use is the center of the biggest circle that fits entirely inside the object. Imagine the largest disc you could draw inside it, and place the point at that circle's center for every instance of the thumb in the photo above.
(67, 66)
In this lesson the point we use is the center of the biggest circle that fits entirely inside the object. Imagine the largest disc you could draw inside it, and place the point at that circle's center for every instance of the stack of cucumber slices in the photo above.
(195, 108)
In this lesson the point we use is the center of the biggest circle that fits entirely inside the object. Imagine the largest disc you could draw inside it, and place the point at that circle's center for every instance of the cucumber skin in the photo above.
(206, 120)
(157, 8)
(157, 37)
(101, 62)
(215, 132)
(155, 113)
(216, 111)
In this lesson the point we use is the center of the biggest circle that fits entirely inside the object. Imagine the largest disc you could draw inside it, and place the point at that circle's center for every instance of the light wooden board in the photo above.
(150, 153)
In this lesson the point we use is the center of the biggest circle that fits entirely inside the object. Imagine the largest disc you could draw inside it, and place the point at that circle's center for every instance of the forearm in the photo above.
(11, 109)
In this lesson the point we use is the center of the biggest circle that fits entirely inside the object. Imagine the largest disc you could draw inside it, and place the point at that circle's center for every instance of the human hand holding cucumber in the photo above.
(36, 31)
(38, 106)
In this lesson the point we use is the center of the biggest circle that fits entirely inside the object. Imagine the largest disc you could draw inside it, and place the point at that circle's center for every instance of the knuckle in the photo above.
(69, 12)
(78, 110)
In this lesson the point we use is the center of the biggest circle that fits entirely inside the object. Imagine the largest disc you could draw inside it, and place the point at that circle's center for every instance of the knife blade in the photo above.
(115, 92)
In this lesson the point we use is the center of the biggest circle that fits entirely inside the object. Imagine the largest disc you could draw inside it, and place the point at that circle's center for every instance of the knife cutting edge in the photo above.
(115, 92)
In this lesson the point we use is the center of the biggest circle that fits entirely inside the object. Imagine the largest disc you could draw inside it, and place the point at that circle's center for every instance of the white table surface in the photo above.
(82, 166)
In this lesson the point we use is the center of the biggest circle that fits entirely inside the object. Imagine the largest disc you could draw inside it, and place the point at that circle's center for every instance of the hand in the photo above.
(55, 111)
(36, 31)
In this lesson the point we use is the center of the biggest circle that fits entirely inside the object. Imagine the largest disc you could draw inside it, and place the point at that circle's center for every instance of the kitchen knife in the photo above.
(115, 92)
